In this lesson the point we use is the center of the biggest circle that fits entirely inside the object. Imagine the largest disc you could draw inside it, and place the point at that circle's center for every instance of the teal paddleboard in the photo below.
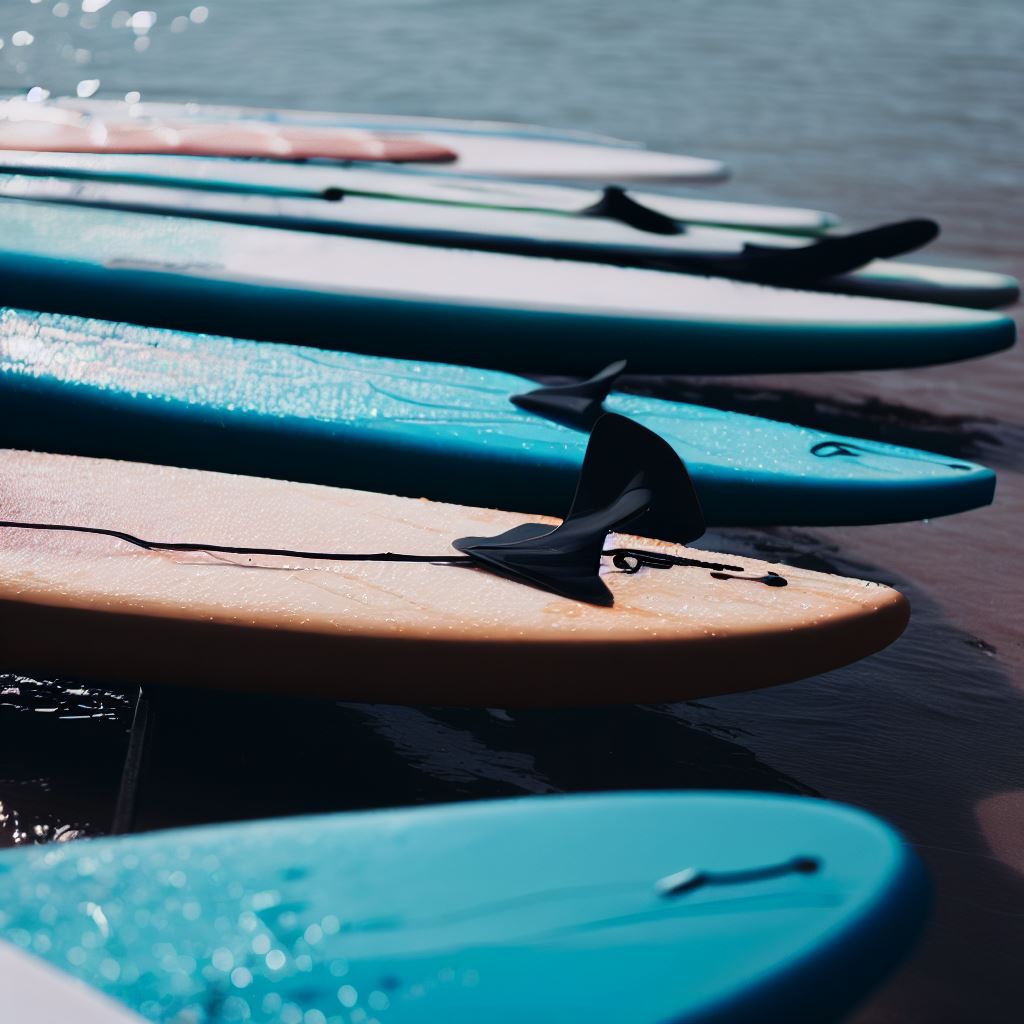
(694, 908)
(616, 231)
(446, 432)
(479, 308)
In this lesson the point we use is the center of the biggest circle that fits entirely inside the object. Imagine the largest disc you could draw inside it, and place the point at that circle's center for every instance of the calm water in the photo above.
(876, 110)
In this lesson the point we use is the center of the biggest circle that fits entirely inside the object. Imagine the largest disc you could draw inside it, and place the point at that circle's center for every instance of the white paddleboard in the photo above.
(526, 156)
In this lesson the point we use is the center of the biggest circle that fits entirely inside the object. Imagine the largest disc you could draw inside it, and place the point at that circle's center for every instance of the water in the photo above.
(875, 110)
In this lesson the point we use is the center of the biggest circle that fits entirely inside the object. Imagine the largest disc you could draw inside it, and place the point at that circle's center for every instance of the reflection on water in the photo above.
(60, 758)
(877, 110)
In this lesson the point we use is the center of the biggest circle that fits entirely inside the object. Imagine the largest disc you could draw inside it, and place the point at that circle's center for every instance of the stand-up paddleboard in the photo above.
(317, 181)
(475, 437)
(481, 308)
(526, 154)
(695, 908)
(616, 232)
(160, 575)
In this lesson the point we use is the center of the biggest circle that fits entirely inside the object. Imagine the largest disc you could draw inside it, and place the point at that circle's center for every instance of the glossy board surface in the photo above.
(656, 908)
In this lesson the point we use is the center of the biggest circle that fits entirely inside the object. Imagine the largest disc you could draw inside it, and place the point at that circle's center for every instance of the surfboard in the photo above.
(481, 308)
(30, 127)
(449, 433)
(319, 181)
(170, 576)
(527, 154)
(703, 908)
(622, 234)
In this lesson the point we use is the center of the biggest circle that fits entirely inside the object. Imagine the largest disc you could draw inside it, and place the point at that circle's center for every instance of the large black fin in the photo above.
(616, 204)
(630, 475)
(828, 257)
(579, 404)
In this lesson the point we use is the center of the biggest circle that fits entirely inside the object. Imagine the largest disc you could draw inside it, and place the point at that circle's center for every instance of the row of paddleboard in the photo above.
(355, 505)
(465, 256)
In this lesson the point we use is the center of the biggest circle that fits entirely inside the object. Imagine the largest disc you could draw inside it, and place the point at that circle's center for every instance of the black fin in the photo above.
(616, 204)
(576, 405)
(629, 475)
(829, 257)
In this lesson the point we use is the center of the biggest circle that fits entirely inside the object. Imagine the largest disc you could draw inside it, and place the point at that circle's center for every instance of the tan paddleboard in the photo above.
(95, 607)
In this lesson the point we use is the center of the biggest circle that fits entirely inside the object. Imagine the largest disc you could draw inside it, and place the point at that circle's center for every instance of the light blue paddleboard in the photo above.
(479, 308)
(651, 908)
(422, 429)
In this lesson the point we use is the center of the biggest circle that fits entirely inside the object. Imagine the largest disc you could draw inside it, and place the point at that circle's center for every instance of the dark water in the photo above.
(873, 109)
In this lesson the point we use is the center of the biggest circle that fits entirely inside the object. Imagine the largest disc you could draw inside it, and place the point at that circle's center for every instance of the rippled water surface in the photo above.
(875, 110)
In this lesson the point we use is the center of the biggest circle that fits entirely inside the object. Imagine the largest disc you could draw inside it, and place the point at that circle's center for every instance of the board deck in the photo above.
(530, 155)
(87, 387)
(545, 909)
(479, 308)
(380, 631)
(318, 181)
(584, 238)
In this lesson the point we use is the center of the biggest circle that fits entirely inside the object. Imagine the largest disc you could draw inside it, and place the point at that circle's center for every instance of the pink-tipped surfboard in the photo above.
(32, 127)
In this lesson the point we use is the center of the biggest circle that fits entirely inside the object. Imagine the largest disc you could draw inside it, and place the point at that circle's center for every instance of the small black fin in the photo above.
(629, 475)
(616, 204)
(829, 257)
(576, 405)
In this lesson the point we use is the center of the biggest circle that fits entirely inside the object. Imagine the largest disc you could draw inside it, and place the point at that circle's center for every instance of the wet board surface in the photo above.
(381, 631)
(406, 183)
(443, 913)
(585, 238)
(478, 308)
(431, 430)
(529, 155)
